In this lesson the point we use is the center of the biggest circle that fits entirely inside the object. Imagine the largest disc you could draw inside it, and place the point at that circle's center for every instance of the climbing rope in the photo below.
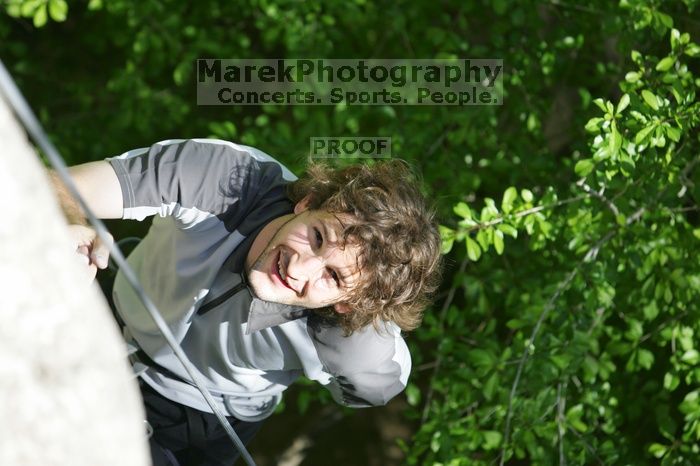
(21, 108)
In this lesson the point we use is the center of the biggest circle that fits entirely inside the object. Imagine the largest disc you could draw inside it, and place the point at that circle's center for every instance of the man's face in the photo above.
(302, 264)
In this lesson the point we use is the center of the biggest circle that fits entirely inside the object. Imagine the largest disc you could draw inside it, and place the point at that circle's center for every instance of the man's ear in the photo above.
(302, 205)
(342, 308)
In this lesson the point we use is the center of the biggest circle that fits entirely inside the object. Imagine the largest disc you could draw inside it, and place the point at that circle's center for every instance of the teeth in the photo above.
(279, 267)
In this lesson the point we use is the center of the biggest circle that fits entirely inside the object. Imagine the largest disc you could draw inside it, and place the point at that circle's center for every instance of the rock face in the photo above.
(67, 396)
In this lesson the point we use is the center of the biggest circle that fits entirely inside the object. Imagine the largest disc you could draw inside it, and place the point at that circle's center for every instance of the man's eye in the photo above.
(319, 238)
(334, 275)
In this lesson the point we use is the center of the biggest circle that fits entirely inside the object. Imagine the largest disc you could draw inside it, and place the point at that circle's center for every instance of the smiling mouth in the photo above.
(277, 271)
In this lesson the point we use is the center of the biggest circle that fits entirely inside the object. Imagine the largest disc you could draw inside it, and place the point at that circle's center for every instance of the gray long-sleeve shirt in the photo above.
(211, 198)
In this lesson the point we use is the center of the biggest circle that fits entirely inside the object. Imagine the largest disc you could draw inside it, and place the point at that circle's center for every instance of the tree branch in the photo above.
(524, 213)
(590, 256)
(523, 359)
(438, 362)
(599, 195)
(561, 430)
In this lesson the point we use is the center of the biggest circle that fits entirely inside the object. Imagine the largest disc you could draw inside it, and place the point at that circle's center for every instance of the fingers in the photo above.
(84, 254)
(92, 252)
(100, 252)
(91, 272)
(81, 235)
(88, 271)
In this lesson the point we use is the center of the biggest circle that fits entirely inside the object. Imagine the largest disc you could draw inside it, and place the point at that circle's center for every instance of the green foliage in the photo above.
(38, 10)
(567, 332)
(584, 347)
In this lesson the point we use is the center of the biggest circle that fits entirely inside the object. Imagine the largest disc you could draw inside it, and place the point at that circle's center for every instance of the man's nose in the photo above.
(304, 267)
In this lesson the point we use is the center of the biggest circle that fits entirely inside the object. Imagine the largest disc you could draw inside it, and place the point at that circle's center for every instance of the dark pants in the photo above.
(183, 436)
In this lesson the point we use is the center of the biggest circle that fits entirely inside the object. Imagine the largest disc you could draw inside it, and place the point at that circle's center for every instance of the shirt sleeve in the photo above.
(190, 180)
(368, 368)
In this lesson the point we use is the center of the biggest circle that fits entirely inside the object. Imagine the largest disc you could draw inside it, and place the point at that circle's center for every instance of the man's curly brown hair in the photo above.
(397, 234)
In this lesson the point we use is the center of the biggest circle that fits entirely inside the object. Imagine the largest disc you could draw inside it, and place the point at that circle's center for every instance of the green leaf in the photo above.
(602, 154)
(435, 441)
(492, 439)
(412, 394)
(573, 417)
(509, 196)
(635, 330)
(668, 294)
(40, 16)
(665, 19)
(673, 133)
(632, 77)
(644, 133)
(473, 249)
(262, 120)
(623, 104)
(617, 348)
(303, 401)
(584, 167)
(650, 99)
(490, 386)
(665, 64)
(498, 241)
(516, 324)
(508, 229)
(671, 381)
(561, 360)
(686, 338)
(491, 206)
(645, 358)
(463, 210)
(658, 450)
(690, 402)
(58, 9)
(14, 10)
(593, 124)
(615, 141)
(481, 358)
(675, 38)
(223, 129)
(483, 238)
(29, 7)
(590, 367)
(180, 72)
(691, 357)
(529, 222)
(447, 236)
(651, 310)
(600, 103)
(526, 194)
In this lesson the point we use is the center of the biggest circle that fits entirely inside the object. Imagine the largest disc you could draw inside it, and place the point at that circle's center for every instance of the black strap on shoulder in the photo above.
(144, 358)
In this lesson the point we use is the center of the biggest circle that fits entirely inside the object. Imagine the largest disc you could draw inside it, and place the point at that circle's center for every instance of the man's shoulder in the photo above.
(364, 349)
(202, 146)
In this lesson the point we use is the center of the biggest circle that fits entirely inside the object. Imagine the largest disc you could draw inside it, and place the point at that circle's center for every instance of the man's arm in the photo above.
(98, 185)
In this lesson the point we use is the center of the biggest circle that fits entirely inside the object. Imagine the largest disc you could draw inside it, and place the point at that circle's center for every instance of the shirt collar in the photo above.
(265, 314)
(262, 314)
